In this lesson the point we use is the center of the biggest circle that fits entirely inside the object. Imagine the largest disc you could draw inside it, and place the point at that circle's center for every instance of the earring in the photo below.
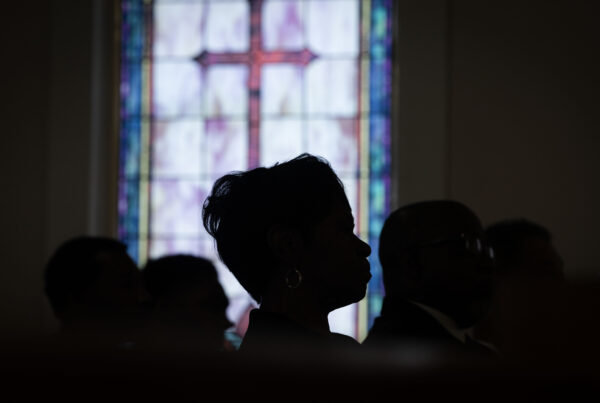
(293, 278)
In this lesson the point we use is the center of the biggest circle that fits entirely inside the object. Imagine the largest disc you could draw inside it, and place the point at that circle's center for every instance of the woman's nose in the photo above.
(364, 248)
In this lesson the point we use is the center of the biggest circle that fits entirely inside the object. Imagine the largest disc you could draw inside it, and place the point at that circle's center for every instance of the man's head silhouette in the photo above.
(92, 281)
(434, 253)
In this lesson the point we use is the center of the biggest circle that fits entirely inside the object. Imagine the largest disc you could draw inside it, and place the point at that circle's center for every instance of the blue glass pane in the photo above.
(130, 148)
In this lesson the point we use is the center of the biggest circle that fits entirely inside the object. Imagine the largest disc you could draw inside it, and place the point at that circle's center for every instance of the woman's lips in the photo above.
(368, 271)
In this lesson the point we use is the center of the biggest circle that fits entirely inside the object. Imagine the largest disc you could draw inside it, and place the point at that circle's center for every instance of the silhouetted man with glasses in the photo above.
(437, 278)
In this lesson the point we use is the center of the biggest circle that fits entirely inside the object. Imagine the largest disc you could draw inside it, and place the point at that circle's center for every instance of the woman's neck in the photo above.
(297, 307)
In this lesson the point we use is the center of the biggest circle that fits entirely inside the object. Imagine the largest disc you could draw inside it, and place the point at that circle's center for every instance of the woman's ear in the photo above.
(285, 243)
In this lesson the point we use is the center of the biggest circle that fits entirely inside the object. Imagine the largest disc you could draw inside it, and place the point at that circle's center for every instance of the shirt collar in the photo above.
(447, 322)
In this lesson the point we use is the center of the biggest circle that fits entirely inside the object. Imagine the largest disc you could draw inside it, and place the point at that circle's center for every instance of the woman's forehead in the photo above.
(340, 207)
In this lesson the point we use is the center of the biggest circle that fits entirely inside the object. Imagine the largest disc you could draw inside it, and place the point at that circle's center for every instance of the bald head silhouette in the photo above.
(433, 252)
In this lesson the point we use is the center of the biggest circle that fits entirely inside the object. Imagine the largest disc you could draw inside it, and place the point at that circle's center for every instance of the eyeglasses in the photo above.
(471, 244)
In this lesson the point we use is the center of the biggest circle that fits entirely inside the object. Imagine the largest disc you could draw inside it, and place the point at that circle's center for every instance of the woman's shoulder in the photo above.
(344, 340)
(274, 332)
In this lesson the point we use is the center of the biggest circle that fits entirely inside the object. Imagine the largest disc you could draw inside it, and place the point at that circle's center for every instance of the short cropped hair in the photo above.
(400, 231)
(168, 275)
(244, 205)
(506, 238)
(74, 266)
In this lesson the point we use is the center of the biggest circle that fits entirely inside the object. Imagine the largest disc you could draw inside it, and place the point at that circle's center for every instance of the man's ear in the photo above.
(285, 243)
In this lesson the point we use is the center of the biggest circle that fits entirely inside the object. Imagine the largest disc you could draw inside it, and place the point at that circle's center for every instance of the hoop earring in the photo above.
(293, 279)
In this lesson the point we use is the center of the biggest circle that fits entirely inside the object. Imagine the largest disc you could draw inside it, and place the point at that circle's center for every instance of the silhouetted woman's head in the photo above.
(289, 226)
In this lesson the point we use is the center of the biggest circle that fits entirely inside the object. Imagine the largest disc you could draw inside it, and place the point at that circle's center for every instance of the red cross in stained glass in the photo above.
(255, 58)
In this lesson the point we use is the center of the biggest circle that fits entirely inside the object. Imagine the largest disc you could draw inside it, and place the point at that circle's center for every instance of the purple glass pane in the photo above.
(283, 25)
(176, 148)
(176, 89)
(332, 87)
(176, 207)
(336, 140)
(226, 146)
(178, 29)
(226, 91)
(280, 140)
(227, 26)
(281, 90)
(333, 27)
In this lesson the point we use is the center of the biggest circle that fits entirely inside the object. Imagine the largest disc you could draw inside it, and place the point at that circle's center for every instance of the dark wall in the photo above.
(524, 129)
(26, 46)
(57, 150)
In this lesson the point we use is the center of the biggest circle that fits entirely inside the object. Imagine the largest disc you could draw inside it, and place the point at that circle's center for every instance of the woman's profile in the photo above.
(286, 233)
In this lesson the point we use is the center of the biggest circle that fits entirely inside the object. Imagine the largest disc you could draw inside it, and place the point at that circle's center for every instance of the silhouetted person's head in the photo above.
(434, 253)
(286, 232)
(523, 247)
(92, 281)
(187, 296)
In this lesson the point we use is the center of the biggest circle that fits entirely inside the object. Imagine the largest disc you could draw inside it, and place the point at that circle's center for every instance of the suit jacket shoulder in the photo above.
(404, 322)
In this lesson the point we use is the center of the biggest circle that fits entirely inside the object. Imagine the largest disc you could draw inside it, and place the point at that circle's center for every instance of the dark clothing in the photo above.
(274, 333)
(404, 323)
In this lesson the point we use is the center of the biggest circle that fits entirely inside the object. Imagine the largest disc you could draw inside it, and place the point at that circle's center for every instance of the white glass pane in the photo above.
(343, 320)
(351, 189)
(171, 246)
(176, 148)
(333, 27)
(280, 140)
(226, 90)
(228, 26)
(281, 90)
(226, 146)
(335, 140)
(239, 311)
(332, 87)
(240, 302)
(177, 89)
(178, 29)
(230, 284)
(176, 207)
(283, 25)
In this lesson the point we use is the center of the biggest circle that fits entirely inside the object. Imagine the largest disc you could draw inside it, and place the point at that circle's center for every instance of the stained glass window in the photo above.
(209, 87)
